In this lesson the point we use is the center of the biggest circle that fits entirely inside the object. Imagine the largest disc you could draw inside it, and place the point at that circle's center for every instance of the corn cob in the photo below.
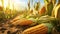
(21, 22)
(42, 11)
(39, 29)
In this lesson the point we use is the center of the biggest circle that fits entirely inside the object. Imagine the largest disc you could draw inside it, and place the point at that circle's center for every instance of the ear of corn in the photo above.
(25, 22)
(21, 22)
(39, 29)
(42, 11)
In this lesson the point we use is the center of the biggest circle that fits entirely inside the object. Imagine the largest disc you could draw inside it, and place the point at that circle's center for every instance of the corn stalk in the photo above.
(36, 7)
(28, 4)
(49, 7)
(54, 2)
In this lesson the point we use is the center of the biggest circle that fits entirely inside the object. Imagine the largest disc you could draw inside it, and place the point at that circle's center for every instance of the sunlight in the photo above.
(0, 3)
(16, 1)
(11, 5)
(19, 4)
(8, 3)
(5, 3)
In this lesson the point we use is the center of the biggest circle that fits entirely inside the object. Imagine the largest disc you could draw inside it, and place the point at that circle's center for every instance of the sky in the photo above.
(21, 4)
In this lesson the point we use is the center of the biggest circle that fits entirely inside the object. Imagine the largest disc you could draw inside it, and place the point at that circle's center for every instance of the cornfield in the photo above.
(29, 20)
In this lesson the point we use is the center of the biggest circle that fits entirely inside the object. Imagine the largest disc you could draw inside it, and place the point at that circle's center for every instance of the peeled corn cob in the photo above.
(39, 29)
(21, 22)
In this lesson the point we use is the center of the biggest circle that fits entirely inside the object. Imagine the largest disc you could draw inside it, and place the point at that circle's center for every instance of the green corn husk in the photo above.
(49, 21)
(49, 8)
